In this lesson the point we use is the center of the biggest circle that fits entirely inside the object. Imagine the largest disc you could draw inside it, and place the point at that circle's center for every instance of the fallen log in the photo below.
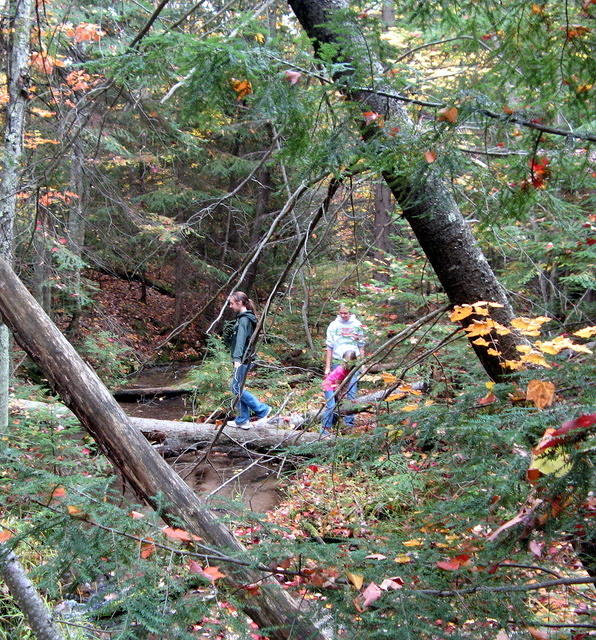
(146, 472)
(177, 436)
(141, 393)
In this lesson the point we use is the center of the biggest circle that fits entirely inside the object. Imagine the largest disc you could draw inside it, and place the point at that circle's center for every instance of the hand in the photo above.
(327, 370)
(236, 364)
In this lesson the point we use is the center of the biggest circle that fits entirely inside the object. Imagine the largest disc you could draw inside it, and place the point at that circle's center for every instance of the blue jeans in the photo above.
(330, 416)
(246, 403)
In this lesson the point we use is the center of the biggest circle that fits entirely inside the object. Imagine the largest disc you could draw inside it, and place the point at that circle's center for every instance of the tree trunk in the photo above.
(76, 228)
(382, 227)
(18, 83)
(148, 474)
(41, 261)
(424, 197)
(26, 597)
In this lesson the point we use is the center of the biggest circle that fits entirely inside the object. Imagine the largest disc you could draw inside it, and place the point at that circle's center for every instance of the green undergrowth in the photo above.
(372, 526)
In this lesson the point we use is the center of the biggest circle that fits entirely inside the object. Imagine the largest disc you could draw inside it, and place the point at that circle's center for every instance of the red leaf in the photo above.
(454, 563)
(430, 156)
(371, 116)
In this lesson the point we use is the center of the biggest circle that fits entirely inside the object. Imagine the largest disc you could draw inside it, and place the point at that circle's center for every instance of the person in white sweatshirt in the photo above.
(344, 334)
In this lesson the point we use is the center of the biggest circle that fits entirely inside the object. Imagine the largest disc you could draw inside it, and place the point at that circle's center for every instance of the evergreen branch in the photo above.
(441, 593)
(553, 625)
(530, 124)
(440, 105)
(218, 557)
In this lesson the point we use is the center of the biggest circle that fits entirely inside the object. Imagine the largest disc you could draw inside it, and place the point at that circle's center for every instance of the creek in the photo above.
(256, 488)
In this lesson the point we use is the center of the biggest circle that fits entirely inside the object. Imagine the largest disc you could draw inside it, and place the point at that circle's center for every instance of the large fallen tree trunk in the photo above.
(148, 474)
(178, 436)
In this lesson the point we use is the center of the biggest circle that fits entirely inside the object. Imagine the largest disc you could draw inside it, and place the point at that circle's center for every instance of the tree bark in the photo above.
(148, 474)
(18, 83)
(424, 196)
(26, 597)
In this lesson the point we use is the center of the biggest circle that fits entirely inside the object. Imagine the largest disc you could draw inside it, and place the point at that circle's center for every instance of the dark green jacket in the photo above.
(245, 325)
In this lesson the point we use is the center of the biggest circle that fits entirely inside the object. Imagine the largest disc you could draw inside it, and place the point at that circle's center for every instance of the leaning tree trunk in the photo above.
(149, 475)
(424, 197)
(18, 83)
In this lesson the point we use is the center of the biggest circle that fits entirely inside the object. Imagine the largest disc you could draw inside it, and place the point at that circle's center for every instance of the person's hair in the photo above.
(240, 296)
(349, 357)
(343, 307)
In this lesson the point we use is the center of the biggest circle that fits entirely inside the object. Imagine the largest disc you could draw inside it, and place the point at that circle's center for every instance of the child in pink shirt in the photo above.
(330, 384)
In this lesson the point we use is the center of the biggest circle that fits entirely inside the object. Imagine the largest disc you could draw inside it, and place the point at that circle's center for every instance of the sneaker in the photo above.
(263, 419)
(233, 423)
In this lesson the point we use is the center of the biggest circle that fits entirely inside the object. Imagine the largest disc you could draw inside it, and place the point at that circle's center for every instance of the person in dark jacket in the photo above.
(246, 403)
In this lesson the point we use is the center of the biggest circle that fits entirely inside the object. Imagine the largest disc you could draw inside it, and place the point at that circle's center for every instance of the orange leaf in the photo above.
(179, 534)
(59, 492)
(5, 535)
(541, 393)
(489, 398)
(73, 511)
(430, 156)
(136, 515)
(536, 634)
(147, 549)
(213, 573)
(241, 87)
(448, 115)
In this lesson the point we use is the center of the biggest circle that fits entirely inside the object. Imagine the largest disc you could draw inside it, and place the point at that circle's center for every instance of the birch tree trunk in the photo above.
(148, 474)
(26, 597)
(425, 198)
(18, 82)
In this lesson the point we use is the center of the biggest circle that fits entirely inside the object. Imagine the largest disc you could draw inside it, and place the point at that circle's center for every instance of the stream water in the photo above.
(257, 487)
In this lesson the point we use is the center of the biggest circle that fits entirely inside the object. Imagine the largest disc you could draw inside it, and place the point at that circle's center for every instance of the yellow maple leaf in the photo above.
(501, 329)
(395, 396)
(409, 407)
(413, 543)
(529, 326)
(480, 309)
(403, 558)
(524, 348)
(535, 358)
(479, 327)
(586, 332)
(388, 378)
(481, 342)
(541, 393)
(460, 312)
(356, 579)
(514, 365)
(493, 352)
